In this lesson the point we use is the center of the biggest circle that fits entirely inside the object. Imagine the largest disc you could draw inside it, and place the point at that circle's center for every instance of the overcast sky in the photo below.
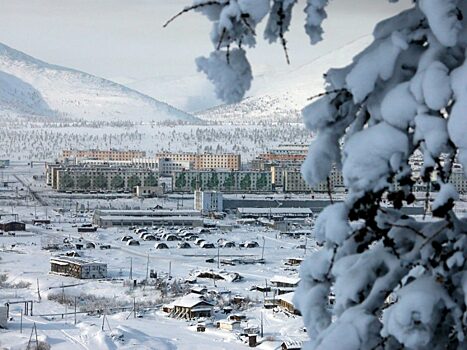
(123, 40)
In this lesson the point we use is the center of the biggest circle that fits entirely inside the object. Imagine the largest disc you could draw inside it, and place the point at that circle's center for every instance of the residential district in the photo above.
(105, 246)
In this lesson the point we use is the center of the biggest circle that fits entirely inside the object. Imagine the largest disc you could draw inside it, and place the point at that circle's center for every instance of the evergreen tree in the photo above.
(83, 182)
(67, 181)
(100, 182)
(397, 281)
(134, 181)
(151, 180)
(117, 182)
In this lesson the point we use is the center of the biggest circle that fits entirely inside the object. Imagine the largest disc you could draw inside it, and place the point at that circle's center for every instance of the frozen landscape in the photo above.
(169, 180)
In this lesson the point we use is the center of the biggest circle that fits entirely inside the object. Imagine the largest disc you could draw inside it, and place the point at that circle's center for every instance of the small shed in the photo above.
(86, 228)
(229, 325)
(183, 245)
(8, 226)
(149, 238)
(249, 244)
(207, 245)
(133, 242)
(291, 345)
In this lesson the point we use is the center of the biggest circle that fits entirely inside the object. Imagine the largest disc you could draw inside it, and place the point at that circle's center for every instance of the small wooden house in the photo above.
(190, 306)
(285, 302)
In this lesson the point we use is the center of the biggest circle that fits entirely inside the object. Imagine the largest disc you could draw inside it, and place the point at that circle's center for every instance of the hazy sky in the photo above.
(123, 40)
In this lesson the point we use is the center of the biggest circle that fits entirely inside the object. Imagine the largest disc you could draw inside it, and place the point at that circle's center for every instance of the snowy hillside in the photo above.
(30, 86)
(281, 97)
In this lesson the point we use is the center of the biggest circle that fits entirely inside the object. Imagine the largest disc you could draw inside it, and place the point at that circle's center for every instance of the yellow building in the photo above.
(206, 161)
(112, 154)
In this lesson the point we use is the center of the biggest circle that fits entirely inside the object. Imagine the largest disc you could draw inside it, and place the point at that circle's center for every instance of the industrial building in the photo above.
(274, 212)
(78, 267)
(109, 218)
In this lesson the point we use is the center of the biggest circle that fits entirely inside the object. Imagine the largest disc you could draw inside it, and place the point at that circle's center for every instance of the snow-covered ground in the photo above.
(41, 140)
(25, 268)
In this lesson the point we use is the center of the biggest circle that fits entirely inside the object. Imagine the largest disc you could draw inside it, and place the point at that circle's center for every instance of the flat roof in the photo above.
(150, 218)
(147, 213)
(285, 279)
(63, 260)
(275, 211)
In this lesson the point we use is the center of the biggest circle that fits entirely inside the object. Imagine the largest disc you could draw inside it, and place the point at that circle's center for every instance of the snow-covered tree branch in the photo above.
(397, 282)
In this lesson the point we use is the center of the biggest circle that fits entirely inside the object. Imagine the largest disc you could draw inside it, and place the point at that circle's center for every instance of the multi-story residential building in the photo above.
(168, 166)
(293, 181)
(225, 181)
(285, 153)
(112, 154)
(205, 161)
(92, 178)
(458, 179)
(208, 201)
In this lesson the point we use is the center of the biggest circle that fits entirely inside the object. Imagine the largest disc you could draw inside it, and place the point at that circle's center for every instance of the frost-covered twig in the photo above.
(188, 9)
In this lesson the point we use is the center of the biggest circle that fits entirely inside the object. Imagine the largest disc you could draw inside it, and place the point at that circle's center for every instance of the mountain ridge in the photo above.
(31, 86)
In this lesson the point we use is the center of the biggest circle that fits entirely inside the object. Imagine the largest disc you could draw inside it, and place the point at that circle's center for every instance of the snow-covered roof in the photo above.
(64, 260)
(148, 213)
(149, 218)
(275, 210)
(285, 279)
(287, 297)
(189, 301)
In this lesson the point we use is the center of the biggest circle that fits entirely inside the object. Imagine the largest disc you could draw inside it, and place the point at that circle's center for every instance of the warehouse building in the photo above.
(109, 218)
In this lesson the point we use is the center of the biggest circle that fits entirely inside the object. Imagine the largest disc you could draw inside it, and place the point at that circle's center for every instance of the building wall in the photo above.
(92, 173)
(104, 154)
(206, 161)
(459, 180)
(224, 181)
(293, 181)
(208, 201)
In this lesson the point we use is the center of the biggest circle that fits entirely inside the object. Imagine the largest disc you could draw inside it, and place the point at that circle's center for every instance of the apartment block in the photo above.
(225, 181)
(205, 161)
(108, 178)
(112, 154)
(293, 181)
(208, 201)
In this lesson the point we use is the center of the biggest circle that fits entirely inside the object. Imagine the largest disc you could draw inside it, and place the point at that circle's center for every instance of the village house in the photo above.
(284, 284)
(189, 306)
(284, 301)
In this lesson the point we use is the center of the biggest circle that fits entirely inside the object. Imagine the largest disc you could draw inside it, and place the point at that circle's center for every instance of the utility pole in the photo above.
(262, 330)
(262, 250)
(147, 269)
(38, 291)
(75, 310)
(218, 255)
(131, 268)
